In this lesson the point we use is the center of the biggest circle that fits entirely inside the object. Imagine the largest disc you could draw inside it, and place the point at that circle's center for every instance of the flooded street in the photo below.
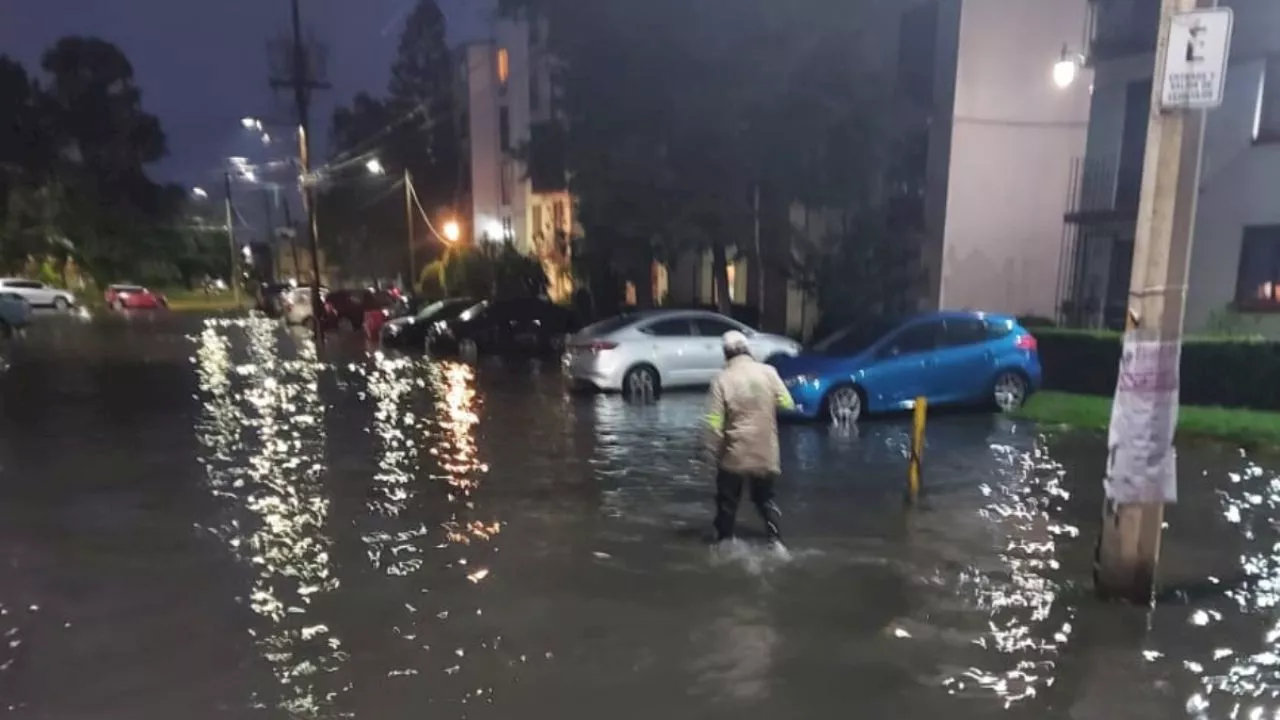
(200, 520)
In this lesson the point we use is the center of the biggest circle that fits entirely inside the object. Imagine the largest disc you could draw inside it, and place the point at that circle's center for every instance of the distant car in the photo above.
(411, 331)
(648, 351)
(15, 314)
(948, 358)
(38, 294)
(271, 298)
(133, 297)
(529, 326)
(298, 308)
(350, 306)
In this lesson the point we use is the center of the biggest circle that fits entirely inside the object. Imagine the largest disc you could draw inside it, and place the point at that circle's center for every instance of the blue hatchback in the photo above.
(950, 358)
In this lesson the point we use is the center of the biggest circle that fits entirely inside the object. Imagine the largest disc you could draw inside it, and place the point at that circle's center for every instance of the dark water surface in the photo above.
(198, 520)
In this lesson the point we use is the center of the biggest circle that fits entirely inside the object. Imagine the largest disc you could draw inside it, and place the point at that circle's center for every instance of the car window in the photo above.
(919, 338)
(675, 327)
(613, 324)
(24, 284)
(997, 329)
(713, 327)
(958, 332)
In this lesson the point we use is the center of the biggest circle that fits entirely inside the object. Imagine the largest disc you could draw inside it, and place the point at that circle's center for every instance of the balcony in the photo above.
(1121, 28)
(1102, 190)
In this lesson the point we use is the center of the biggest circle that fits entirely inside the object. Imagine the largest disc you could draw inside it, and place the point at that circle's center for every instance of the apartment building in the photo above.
(1235, 268)
(506, 98)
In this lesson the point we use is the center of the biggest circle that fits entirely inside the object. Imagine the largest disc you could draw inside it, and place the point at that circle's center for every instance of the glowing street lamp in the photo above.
(1067, 69)
(251, 123)
(452, 231)
(375, 167)
(200, 193)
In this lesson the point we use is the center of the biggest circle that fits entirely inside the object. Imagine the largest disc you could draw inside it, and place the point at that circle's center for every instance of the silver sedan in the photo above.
(645, 352)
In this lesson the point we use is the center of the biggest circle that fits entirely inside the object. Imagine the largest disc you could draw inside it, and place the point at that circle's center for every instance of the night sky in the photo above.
(202, 65)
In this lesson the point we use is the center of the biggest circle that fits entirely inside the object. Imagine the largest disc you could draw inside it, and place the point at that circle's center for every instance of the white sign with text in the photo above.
(1195, 66)
(1141, 459)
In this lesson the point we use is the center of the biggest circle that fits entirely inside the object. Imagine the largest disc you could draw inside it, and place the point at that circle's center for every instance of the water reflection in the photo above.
(263, 432)
(1240, 680)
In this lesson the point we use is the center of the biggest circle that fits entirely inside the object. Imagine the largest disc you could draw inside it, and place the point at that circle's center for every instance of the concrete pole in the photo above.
(1129, 546)
(234, 275)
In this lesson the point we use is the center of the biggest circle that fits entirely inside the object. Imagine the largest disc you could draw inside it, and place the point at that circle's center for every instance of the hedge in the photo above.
(1223, 372)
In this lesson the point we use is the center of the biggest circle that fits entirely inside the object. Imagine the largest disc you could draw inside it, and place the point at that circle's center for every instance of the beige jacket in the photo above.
(742, 419)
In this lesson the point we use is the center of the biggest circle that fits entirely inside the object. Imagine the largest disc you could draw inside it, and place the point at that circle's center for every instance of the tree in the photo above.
(104, 140)
(411, 129)
(678, 113)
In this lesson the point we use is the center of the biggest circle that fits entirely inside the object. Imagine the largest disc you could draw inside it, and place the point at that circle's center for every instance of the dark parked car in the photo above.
(410, 331)
(348, 307)
(530, 326)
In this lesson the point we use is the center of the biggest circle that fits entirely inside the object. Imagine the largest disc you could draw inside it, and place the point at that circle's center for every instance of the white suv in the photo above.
(37, 294)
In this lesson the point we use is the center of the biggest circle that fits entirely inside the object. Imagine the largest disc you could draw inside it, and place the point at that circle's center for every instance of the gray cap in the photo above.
(734, 341)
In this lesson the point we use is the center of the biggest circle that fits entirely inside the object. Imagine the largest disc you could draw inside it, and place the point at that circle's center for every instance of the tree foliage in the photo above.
(73, 159)
(410, 128)
(678, 112)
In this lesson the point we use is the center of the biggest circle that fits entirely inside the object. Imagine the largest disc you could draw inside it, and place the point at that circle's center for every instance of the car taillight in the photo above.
(1025, 342)
(596, 346)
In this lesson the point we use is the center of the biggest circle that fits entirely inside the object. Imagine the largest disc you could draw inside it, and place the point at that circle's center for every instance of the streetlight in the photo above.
(251, 123)
(375, 167)
(1067, 69)
(200, 193)
(452, 231)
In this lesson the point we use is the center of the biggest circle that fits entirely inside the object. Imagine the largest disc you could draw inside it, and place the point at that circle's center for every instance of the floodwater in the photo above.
(198, 519)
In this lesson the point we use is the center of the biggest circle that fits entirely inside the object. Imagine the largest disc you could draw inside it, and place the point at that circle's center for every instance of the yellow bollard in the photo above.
(917, 449)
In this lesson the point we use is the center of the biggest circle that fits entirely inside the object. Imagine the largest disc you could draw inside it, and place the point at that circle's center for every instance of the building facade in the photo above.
(997, 130)
(506, 98)
(1235, 268)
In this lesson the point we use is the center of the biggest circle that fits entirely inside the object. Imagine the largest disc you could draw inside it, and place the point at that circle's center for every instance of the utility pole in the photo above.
(233, 278)
(755, 212)
(269, 198)
(296, 71)
(1129, 546)
(408, 218)
(293, 239)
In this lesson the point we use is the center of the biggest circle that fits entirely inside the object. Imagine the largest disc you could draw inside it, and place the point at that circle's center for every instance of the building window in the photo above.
(503, 63)
(1266, 128)
(504, 129)
(557, 216)
(1258, 281)
(537, 219)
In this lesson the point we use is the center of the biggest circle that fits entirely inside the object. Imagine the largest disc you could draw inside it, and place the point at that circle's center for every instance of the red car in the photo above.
(134, 297)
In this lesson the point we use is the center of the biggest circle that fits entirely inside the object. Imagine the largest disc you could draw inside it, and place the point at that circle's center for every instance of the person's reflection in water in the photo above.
(737, 662)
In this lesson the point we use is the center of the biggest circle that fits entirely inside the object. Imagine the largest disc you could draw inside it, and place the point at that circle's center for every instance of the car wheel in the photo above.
(844, 405)
(641, 382)
(1009, 391)
(61, 305)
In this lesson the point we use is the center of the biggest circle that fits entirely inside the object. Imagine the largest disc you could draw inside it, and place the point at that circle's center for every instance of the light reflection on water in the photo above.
(264, 429)
(413, 536)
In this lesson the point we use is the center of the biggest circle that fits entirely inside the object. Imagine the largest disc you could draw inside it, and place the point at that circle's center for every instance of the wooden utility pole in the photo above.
(296, 71)
(410, 280)
(293, 239)
(1129, 546)
(233, 275)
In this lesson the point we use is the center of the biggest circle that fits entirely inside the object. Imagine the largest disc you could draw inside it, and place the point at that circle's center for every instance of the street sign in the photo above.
(1195, 66)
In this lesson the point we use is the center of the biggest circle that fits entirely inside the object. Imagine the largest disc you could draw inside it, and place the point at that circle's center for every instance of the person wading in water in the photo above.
(742, 424)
